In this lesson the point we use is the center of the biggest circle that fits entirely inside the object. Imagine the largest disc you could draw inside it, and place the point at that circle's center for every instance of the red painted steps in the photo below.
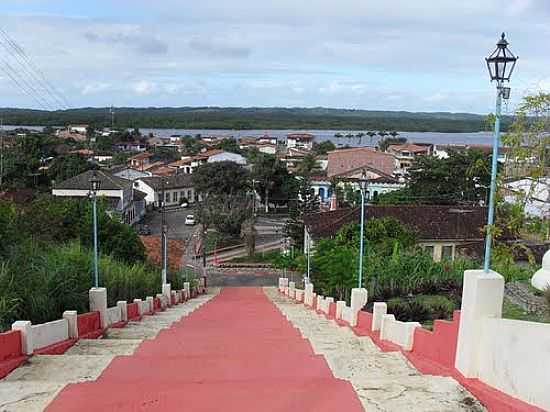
(236, 353)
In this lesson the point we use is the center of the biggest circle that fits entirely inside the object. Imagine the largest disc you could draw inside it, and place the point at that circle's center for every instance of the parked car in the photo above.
(144, 230)
(184, 205)
(189, 220)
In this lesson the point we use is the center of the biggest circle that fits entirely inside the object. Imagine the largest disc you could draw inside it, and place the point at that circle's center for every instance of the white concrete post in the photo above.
(383, 325)
(308, 294)
(329, 301)
(162, 300)
(140, 308)
(25, 327)
(379, 310)
(359, 297)
(340, 305)
(319, 302)
(292, 290)
(151, 301)
(98, 303)
(71, 317)
(187, 288)
(482, 296)
(123, 306)
(167, 292)
(174, 295)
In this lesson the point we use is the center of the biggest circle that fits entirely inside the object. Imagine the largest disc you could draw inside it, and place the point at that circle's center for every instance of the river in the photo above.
(321, 135)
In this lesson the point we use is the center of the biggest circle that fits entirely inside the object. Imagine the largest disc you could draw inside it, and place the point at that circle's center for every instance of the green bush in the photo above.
(39, 282)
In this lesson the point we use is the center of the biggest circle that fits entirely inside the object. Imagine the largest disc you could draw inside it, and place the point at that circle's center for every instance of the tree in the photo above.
(229, 145)
(227, 178)
(386, 142)
(65, 167)
(324, 147)
(307, 202)
(463, 177)
(306, 166)
(272, 180)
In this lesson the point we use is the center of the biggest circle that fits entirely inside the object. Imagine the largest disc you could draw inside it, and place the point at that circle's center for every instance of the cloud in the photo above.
(211, 46)
(128, 36)
(96, 88)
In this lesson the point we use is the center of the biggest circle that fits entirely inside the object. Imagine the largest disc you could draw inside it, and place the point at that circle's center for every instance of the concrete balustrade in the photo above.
(49, 333)
(141, 307)
(71, 316)
(299, 295)
(167, 293)
(400, 333)
(98, 303)
(25, 327)
(291, 290)
(150, 304)
(123, 307)
(378, 311)
(340, 305)
(113, 316)
(308, 294)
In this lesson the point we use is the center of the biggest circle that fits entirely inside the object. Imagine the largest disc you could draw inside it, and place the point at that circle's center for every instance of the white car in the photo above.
(189, 220)
(184, 205)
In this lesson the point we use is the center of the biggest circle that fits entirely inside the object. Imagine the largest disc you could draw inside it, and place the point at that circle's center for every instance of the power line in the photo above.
(22, 85)
(59, 96)
(35, 78)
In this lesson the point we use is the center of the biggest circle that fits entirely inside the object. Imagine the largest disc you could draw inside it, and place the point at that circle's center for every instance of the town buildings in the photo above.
(122, 198)
(445, 232)
(176, 189)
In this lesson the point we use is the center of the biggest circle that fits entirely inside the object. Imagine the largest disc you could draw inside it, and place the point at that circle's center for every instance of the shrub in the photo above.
(39, 282)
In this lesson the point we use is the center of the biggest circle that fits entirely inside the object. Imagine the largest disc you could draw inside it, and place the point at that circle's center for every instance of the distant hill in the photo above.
(251, 118)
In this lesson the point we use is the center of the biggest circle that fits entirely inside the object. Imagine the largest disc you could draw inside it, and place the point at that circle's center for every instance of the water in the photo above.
(321, 135)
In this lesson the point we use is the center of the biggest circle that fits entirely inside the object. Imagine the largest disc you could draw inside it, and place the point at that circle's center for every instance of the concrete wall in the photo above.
(47, 334)
(515, 358)
(509, 355)
(400, 333)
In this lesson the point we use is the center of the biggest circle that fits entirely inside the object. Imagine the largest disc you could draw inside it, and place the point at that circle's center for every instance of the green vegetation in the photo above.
(511, 311)
(252, 118)
(462, 178)
(46, 262)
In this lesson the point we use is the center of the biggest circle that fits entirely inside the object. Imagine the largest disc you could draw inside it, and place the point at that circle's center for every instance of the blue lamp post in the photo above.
(363, 187)
(95, 185)
(501, 64)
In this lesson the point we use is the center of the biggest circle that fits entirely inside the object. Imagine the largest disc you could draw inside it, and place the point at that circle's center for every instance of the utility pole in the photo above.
(163, 237)
(112, 118)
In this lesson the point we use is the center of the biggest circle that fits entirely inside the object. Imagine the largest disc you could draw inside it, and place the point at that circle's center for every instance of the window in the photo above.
(175, 197)
(190, 196)
(182, 194)
(429, 251)
(167, 198)
(447, 252)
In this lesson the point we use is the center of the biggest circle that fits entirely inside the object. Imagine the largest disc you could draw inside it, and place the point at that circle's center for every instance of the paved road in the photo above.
(175, 221)
(236, 353)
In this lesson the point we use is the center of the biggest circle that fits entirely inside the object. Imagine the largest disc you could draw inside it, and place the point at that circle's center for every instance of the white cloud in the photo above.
(96, 88)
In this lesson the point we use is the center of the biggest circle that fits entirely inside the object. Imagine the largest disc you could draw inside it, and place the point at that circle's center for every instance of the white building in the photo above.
(537, 192)
(300, 141)
(188, 164)
(176, 188)
(122, 199)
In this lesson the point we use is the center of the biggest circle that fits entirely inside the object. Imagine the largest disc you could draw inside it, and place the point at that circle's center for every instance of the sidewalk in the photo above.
(235, 353)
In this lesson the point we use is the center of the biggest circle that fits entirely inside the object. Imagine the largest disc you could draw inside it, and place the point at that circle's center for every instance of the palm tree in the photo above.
(394, 134)
(371, 135)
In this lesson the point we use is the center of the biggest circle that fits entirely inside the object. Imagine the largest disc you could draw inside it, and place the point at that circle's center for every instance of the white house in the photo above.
(121, 197)
(537, 193)
(188, 164)
(300, 140)
(176, 188)
(78, 128)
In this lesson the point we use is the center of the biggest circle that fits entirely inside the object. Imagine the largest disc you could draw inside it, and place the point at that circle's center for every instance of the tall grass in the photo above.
(39, 282)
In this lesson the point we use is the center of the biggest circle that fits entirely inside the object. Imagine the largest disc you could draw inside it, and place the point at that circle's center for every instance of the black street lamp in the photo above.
(95, 186)
(501, 64)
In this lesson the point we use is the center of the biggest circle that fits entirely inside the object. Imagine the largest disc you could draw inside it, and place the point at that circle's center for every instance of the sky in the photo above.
(420, 55)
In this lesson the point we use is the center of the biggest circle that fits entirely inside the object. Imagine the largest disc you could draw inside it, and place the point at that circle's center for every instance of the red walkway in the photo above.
(235, 353)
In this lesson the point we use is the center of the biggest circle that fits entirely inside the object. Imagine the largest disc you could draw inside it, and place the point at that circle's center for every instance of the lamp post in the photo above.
(501, 64)
(308, 248)
(164, 234)
(363, 187)
(95, 185)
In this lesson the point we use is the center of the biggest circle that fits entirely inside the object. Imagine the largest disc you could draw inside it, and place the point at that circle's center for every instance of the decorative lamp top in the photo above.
(501, 62)
(95, 182)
